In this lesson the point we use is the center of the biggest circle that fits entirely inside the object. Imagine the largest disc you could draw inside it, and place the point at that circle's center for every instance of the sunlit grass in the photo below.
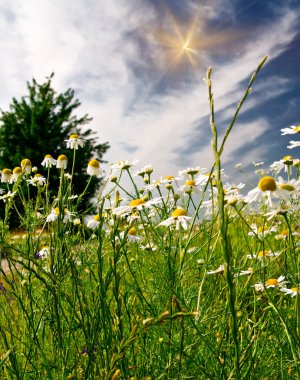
(182, 277)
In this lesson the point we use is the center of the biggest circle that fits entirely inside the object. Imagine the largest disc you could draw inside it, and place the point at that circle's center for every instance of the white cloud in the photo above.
(89, 47)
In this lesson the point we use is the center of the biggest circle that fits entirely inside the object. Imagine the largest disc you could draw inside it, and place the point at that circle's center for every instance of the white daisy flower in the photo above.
(179, 218)
(192, 171)
(265, 191)
(294, 144)
(293, 292)
(263, 254)
(26, 166)
(148, 169)
(135, 205)
(7, 196)
(169, 179)
(284, 163)
(37, 180)
(218, 270)
(74, 142)
(291, 130)
(94, 222)
(261, 231)
(53, 216)
(48, 161)
(189, 187)
(6, 176)
(244, 272)
(93, 168)
(256, 164)
(62, 162)
(16, 173)
(270, 283)
(131, 236)
(123, 165)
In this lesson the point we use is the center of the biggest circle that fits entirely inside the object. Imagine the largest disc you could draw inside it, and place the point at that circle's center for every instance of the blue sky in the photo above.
(120, 57)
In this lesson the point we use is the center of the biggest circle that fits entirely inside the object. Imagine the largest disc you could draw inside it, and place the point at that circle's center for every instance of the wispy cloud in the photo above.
(95, 48)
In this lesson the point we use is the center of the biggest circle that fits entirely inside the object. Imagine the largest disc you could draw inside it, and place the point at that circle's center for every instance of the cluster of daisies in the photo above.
(167, 202)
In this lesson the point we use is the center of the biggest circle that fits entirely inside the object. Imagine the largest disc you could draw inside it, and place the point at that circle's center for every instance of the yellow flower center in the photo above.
(296, 129)
(17, 170)
(288, 160)
(94, 164)
(62, 157)
(56, 210)
(25, 162)
(190, 182)
(287, 187)
(263, 253)
(97, 218)
(267, 184)
(6, 171)
(37, 175)
(136, 202)
(48, 156)
(132, 231)
(169, 177)
(179, 212)
(284, 232)
(261, 229)
(272, 281)
(297, 289)
(74, 136)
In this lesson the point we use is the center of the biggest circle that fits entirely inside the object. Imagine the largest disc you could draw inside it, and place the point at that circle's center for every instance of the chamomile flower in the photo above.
(132, 235)
(62, 162)
(282, 210)
(123, 165)
(48, 161)
(284, 163)
(26, 165)
(6, 176)
(270, 283)
(93, 168)
(261, 231)
(189, 187)
(53, 216)
(192, 171)
(218, 270)
(291, 130)
(148, 169)
(291, 187)
(135, 205)
(169, 179)
(16, 173)
(293, 292)
(9, 195)
(37, 180)
(247, 272)
(74, 142)
(94, 222)
(294, 144)
(179, 218)
(264, 192)
(264, 254)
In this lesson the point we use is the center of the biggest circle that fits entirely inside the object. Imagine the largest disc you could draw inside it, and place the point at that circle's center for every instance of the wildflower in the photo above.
(265, 190)
(169, 179)
(123, 165)
(261, 231)
(294, 144)
(74, 142)
(48, 161)
(26, 165)
(6, 176)
(291, 130)
(244, 272)
(192, 171)
(263, 254)
(293, 292)
(7, 196)
(17, 171)
(135, 205)
(282, 210)
(132, 236)
(62, 161)
(257, 163)
(189, 187)
(284, 163)
(179, 218)
(270, 283)
(148, 169)
(37, 180)
(76, 222)
(93, 168)
(94, 222)
(218, 270)
(291, 187)
(43, 253)
(53, 216)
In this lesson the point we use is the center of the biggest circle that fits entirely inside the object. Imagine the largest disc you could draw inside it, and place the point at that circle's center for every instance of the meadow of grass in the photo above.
(182, 277)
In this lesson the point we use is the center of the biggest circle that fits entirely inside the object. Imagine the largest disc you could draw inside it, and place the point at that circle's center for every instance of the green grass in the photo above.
(99, 306)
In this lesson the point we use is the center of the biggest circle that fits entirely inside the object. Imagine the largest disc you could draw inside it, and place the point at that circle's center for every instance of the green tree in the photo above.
(39, 124)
